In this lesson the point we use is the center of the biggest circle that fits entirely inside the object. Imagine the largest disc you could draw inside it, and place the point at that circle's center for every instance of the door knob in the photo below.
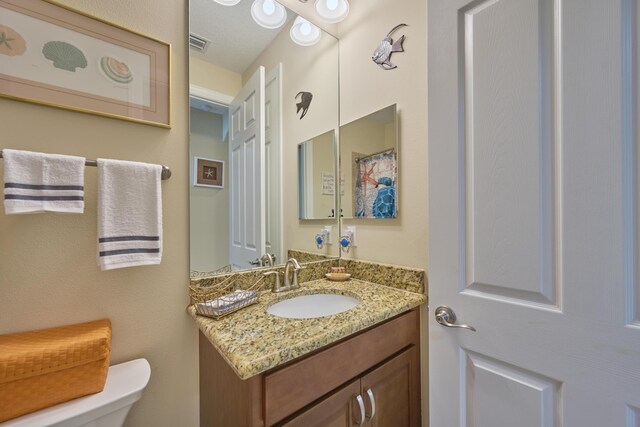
(446, 317)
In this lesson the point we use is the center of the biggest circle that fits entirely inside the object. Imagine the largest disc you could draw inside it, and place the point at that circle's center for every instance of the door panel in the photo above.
(246, 186)
(251, 188)
(497, 394)
(236, 185)
(506, 69)
(273, 164)
(395, 387)
(250, 109)
(631, 159)
(534, 205)
(338, 410)
(633, 417)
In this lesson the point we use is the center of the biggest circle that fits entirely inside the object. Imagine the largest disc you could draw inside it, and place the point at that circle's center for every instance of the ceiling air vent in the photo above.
(198, 43)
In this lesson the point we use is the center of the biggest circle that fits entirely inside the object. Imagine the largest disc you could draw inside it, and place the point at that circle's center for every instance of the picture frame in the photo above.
(376, 193)
(57, 56)
(208, 172)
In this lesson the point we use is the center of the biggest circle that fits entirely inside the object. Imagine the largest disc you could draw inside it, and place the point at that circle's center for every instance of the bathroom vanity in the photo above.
(359, 367)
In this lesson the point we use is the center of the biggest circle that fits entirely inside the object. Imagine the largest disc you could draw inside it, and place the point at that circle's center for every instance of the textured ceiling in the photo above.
(236, 40)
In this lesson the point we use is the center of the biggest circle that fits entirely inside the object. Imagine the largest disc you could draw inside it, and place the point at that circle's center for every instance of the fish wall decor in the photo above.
(305, 101)
(382, 54)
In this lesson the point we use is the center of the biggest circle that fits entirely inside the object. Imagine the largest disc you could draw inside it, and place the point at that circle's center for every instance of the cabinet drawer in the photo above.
(291, 388)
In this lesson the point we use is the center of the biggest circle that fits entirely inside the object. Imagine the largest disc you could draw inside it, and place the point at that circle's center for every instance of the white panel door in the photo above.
(273, 163)
(247, 183)
(533, 213)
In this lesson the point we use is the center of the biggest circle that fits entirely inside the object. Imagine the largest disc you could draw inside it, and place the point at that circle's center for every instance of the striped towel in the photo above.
(129, 214)
(39, 182)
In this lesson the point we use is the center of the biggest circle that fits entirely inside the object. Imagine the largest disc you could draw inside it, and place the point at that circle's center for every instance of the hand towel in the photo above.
(129, 214)
(39, 182)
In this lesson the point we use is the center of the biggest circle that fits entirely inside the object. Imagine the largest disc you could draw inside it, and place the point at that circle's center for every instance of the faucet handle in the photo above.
(295, 284)
(276, 287)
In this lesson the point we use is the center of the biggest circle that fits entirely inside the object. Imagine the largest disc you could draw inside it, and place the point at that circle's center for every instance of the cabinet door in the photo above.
(392, 392)
(340, 409)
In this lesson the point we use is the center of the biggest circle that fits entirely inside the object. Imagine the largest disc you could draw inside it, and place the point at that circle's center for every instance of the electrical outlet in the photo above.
(351, 232)
(329, 233)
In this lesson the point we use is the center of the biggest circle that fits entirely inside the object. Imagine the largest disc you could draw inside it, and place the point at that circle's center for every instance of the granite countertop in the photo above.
(253, 341)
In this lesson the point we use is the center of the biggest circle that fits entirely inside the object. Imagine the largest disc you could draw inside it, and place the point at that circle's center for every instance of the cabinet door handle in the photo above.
(372, 399)
(362, 413)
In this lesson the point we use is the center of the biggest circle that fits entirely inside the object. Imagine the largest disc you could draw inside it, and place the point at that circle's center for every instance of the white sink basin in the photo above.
(312, 306)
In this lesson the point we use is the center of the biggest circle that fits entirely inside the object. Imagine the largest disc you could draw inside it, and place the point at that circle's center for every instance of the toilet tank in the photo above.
(109, 408)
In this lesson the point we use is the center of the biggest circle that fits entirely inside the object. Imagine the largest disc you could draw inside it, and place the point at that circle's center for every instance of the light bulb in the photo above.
(268, 7)
(305, 28)
(268, 13)
(227, 2)
(304, 33)
(332, 10)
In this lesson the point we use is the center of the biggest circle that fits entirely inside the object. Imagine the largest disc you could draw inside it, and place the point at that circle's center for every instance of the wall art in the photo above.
(382, 54)
(208, 172)
(375, 188)
(305, 102)
(53, 55)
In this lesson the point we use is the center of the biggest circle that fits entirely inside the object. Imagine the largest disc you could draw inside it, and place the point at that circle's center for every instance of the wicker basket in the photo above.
(42, 368)
(224, 298)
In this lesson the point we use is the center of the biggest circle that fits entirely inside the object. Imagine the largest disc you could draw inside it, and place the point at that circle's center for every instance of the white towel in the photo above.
(39, 182)
(129, 214)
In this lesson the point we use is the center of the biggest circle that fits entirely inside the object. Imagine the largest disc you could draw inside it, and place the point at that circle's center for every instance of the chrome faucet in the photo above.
(288, 285)
(268, 260)
(277, 287)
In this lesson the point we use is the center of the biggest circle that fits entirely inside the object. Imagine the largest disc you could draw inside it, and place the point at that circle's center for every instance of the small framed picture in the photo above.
(208, 172)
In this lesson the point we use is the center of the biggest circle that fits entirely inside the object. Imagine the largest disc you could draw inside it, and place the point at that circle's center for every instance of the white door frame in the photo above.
(202, 93)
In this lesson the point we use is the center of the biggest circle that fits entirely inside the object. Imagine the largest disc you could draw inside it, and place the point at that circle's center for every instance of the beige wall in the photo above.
(48, 272)
(311, 69)
(213, 77)
(365, 88)
(323, 161)
(209, 208)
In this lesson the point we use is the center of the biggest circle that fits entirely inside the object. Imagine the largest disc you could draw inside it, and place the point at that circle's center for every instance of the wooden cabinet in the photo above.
(388, 396)
(337, 410)
(394, 389)
(381, 365)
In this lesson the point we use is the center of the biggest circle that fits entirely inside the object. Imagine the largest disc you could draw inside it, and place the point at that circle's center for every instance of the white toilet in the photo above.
(109, 408)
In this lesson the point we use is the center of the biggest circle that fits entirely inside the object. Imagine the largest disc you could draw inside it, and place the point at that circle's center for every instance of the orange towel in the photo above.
(42, 368)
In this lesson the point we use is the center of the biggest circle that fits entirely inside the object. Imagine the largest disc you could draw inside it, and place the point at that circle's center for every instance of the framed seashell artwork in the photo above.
(57, 56)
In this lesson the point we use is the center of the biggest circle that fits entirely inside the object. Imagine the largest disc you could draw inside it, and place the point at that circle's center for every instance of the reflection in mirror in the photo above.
(244, 130)
(369, 165)
(316, 177)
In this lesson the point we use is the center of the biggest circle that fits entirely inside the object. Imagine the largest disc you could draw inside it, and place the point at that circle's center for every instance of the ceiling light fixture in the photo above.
(268, 13)
(332, 10)
(227, 2)
(304, 32)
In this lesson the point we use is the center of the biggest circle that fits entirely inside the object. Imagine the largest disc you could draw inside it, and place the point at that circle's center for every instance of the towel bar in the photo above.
(166, 172)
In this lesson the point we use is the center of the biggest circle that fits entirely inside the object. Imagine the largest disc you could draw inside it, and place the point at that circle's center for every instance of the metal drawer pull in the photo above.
(361, 405)
(372, 399)
(446, 317)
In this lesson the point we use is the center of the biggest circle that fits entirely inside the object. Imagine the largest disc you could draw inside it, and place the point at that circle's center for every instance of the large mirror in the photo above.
(317, 169)
(256, 92)
(369, 166)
